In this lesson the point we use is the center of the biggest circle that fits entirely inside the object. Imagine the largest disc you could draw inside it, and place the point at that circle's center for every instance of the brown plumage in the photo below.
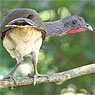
(22, 13)
(23, 32)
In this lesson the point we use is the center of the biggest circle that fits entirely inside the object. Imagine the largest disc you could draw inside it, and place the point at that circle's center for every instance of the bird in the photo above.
(23, 31)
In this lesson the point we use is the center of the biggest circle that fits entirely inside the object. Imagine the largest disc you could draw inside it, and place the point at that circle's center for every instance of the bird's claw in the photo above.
(11, 77)
(38, 75)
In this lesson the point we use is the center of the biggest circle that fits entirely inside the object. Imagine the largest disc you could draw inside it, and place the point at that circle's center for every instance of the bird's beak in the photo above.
(30, 22)
(87, 26)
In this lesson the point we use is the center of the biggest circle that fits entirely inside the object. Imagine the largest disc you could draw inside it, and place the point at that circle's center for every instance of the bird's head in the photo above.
(74, 24)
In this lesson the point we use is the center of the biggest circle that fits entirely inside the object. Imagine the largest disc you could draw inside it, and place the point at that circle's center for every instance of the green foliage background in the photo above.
(57, 53)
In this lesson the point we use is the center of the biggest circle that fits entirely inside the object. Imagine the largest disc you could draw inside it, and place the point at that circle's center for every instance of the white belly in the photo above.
(26, 48)
(23, 41)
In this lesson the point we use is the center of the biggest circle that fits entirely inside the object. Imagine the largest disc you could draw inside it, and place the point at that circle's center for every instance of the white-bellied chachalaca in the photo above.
(23, 31)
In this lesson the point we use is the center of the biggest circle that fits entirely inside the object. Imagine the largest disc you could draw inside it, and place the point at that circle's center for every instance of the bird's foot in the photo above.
(38, 75)
(10, 76)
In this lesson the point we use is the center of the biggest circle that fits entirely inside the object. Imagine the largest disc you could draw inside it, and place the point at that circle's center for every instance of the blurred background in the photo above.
(57, 53)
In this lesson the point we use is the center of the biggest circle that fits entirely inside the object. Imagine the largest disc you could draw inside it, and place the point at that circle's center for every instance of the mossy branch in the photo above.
(56, 77)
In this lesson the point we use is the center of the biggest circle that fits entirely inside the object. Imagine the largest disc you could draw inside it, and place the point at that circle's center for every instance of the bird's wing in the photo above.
(21, 22)
(27, 15)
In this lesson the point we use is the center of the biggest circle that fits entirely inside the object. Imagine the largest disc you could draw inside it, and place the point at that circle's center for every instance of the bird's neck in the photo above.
(54, 28)
(58, 27)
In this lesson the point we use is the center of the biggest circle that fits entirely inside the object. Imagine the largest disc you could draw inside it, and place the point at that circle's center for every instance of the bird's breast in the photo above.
(24, 39)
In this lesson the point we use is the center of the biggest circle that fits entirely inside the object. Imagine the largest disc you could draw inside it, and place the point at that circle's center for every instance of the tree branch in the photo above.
(57, 77)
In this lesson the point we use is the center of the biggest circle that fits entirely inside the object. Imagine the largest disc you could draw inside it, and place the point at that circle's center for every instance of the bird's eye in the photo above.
(74, 22)
(87, 25)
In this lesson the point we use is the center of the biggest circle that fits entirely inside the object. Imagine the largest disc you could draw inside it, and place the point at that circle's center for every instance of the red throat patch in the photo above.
(76, 30)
